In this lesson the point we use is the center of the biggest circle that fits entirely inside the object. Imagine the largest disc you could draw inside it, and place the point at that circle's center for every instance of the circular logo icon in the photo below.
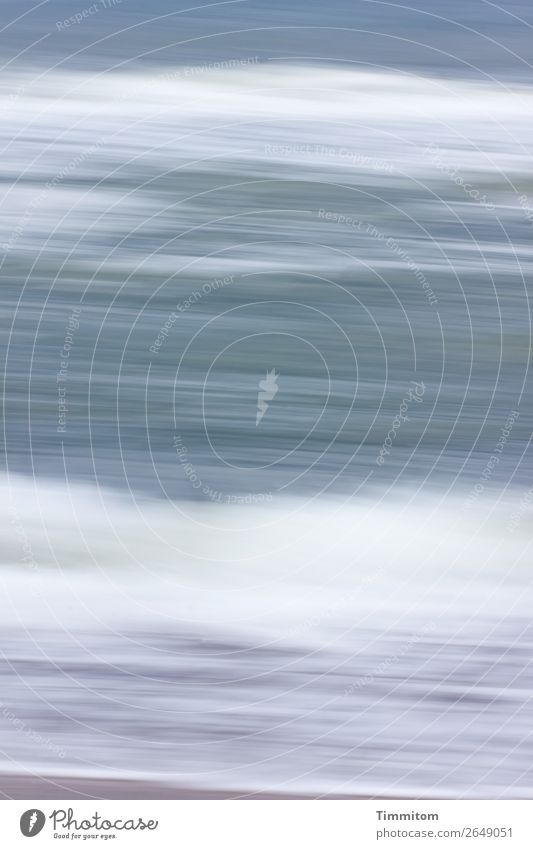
(32, 822)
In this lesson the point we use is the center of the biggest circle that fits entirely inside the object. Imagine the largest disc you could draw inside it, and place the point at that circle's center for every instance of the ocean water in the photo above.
(208, 230)
(360, 648)
(267, 403)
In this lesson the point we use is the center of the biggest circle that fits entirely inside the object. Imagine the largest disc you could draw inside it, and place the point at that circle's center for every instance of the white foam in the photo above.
(256, 566)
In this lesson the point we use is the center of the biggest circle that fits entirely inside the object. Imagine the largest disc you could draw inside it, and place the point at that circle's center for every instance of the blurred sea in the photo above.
(333, 596)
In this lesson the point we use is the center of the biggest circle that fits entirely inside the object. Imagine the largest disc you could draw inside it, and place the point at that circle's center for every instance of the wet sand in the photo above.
(34, 787)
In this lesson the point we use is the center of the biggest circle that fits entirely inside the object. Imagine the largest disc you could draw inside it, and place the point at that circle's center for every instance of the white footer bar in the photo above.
(262, 824)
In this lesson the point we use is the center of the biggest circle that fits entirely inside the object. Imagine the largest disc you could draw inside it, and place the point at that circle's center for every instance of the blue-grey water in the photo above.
(266, 331)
